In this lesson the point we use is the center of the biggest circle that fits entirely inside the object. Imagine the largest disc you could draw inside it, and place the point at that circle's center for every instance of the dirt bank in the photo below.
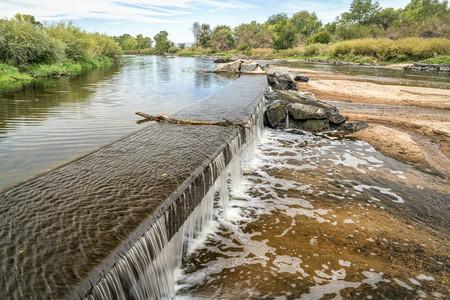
(410, 124)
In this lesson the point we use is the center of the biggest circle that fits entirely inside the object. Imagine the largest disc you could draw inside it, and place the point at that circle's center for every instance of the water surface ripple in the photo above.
(54, 121)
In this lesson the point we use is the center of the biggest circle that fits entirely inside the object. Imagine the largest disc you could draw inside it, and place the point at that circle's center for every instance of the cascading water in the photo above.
(147, 270)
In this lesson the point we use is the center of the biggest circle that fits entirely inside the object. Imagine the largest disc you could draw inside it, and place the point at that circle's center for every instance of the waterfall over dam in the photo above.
(114, 223)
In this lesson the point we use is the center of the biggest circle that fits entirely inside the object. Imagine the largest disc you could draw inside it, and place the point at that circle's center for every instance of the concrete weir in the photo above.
(114, 223)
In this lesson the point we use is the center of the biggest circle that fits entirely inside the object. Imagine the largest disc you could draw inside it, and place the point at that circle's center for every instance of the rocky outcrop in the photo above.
(428, 67)
(231, 67)
(297, 110)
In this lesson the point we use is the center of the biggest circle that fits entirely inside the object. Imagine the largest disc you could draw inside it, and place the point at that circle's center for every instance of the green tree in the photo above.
(246, 35)
(387, 17)
(361, 12)
(284, 35)
(204, 35)
(306, 23)
(27, 18)
(323, 37)
(222, 38)
(275, 19)
(162, 43)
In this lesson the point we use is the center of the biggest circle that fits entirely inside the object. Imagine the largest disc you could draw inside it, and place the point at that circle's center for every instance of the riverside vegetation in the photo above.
(30, 49)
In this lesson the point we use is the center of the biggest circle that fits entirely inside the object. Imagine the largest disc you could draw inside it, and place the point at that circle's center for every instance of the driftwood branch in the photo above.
(163, 118)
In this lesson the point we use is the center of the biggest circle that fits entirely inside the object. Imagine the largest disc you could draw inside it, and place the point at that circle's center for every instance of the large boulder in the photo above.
(314, 125)
(305, 112)
(275, 113)
(280, 79)
(231, 67)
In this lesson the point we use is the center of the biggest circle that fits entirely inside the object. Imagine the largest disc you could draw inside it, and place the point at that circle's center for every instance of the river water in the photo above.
(324, 217)
(53, 121)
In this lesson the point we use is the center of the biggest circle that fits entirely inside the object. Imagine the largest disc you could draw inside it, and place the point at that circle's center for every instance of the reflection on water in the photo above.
(52, 121)
(325, 217)
(377, 74)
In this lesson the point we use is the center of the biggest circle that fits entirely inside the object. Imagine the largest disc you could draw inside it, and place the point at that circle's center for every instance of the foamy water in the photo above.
(322, 216)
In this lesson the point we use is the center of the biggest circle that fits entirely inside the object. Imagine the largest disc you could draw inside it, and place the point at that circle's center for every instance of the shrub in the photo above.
(323, 37)
(24, 43)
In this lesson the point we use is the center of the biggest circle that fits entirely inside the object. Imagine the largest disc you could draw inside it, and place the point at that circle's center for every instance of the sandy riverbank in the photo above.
(410, 124)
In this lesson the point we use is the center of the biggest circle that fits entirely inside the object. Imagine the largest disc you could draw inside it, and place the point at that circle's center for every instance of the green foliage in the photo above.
(9, 74)
(162, 43)
(284, 35)
(443, 60)
(389, 50)
(307, 24)
(181, 45)
(75, 41)
(23, 42)
(173, 49)
(323, 37)
(247, 35)
(204, 35)
(361, 12)
(222, 38)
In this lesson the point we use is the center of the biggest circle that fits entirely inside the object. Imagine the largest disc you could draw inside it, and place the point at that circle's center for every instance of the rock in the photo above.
(305, 112)
(336, 118)
(251, 67)
(315, 125)
(299, 77)
(236, 57)
(275, 113)
(280, 79)
(231, 67)
(219, 60)
(352, 126)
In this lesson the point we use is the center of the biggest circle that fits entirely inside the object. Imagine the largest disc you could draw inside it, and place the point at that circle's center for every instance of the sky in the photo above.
(148, 17)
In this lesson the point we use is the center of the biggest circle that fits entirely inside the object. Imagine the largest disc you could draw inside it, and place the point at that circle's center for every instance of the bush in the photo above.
(173, 49)
(323, 37)
(398, 50)
(24, 43)
(314, 49)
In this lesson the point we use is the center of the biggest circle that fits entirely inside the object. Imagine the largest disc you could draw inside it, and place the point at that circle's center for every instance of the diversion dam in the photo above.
(114, 224)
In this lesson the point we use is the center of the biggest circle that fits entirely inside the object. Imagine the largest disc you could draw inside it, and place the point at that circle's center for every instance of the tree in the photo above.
(275, 19)
(222, 38)
(323, 37)
(387, 17)
(204, 35)
(162, 43)
(306, 23)
(361, 12)
(27, 18)
(246, 35)
(284, 35)
(196, 32)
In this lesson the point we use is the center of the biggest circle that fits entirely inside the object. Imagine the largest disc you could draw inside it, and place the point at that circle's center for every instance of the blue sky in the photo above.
(175, 16)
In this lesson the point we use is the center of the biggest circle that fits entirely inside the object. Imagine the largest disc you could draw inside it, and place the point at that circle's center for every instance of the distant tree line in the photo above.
(365, 19)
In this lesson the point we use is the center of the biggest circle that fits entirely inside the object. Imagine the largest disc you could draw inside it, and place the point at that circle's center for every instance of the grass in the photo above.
(10, 74)
(441, 60)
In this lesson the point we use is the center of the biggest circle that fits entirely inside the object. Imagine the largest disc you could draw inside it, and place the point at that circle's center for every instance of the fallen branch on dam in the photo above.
(164, 118)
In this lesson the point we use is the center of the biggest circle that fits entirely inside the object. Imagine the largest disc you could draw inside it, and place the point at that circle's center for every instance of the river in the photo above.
(53, 121)
(312, 217)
